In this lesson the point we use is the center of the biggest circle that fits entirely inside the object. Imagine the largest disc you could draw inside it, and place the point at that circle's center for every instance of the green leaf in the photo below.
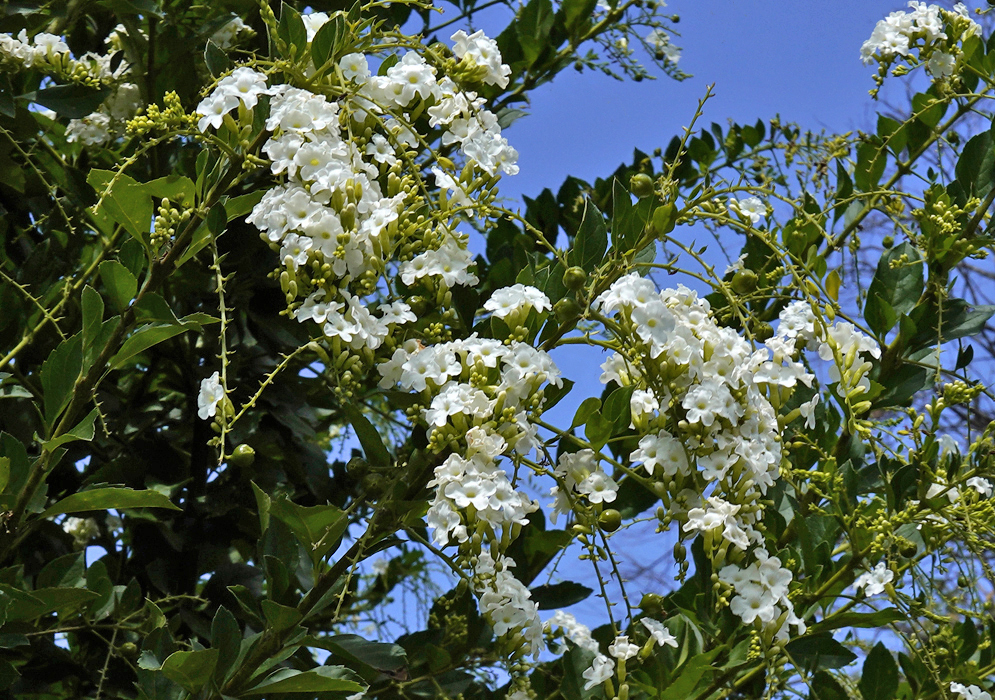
(58, 375)
(879, 679)
(552, 596)
(591, 241)
(598, 430)
(121, 284)
(328, 40)
(533, 26)
(879, 618)
(369, 438)
(291, 30)
(976, 166)
(820, 651)
(280, 617)
(4, 472)
(191, 669)
(82, 431)
(175, 188)
(93, 315)
(43, 601)
(576, 13)
(319, 528)
(226, 637)
(825, 687)
(216, 59)
(369, 659)
(897, 285)
(73, 101)
(321, 680)
(618, 410)
(871, 159)
(154, 333)
(586, 408)
(108, 498)
(125, 201)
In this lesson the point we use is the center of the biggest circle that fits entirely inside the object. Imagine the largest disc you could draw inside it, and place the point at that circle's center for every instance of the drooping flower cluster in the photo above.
(580, 473)
(761, 593)
(710, 435)
(873, 582)
(932, 32)
(969, 692)
(49, 53)
(350, 211)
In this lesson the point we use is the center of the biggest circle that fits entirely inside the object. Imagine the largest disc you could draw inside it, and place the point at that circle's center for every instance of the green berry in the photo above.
(744, 281)
(610, 520)
(641, 185)
(574, 278)
(242, 456)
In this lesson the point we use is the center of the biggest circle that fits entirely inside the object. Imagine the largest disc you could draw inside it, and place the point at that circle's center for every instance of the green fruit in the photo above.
(651, 602)
(242, 456)
(574, 278)
(763, 331)
(641, 185)
(128, 650)
(664, 219)
(744, 281)
(610, 520)
(888, 241)
(566, 310)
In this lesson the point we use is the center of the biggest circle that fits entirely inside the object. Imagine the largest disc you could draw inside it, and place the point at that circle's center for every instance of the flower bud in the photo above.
(610, 520)
(641, 185)
(664, 219)
(242, 456)
(574, 278)
(744, 281)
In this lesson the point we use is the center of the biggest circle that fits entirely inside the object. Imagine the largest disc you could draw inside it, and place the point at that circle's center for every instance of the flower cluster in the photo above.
(761, 594)
(969, 692)
(580, 473)
(710, 435)
(563, 624)
(930, 30)
(873, 582)
(478, 396)
(49, 53)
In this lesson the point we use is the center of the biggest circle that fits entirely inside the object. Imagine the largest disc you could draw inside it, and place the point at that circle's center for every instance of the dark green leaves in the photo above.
(59, 373)
(125, 202)
(121, 285)
(329, 40)
(190, 669)
(321, 680)
(533, 27)
(73, 101)
(895, 289)
(975, 168)
(879, 679)
(591, 240)
(553, 596)
(291, 30)
(107, 498)
(369, 438)
(819, 651)
(216, 59)
(871, 159)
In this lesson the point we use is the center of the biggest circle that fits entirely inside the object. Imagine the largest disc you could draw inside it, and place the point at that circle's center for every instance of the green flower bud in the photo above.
(744, 281)
(610, 520)
(242, 456)
(574, 278)
(566, 310)
(664, 219)
(641, 185)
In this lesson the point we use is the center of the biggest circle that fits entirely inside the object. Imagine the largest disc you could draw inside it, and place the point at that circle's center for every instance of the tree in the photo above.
(236, 234)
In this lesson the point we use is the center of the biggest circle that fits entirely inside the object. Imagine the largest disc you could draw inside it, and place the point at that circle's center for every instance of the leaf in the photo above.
(591, 240)
(58, 375)
(369, 438)
(120, 283)
(576, 13)
(597, 430)
(825, 687)
(896, 288)
(975, 168)
(4, 472)
(820, 651)
(280, 617)
(108, 498)
(73, 101)
(372, 658)
(319, 528)
(154, 333)
(879, 679)
(175, 188)
(328, 40)
(871, 159)
(533, 26)
(291, 30)
(216, 59)
(617, 408)
(226, 637)
(93, 314)
(559, 595)
(321, 680)
(44, 601)
(191, 669)
(879, 618)
(82, 431)
(125, 201)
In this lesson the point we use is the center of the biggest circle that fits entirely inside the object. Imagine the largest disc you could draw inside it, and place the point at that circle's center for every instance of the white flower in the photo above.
(982, 486)
(519, 297)
(972, 692)
(211, 394)
(751, 208)
(659, 632)
(483, 52)
(601, 670)
(622, 648)
(82, 529)
(873, 582)
(941, 65)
